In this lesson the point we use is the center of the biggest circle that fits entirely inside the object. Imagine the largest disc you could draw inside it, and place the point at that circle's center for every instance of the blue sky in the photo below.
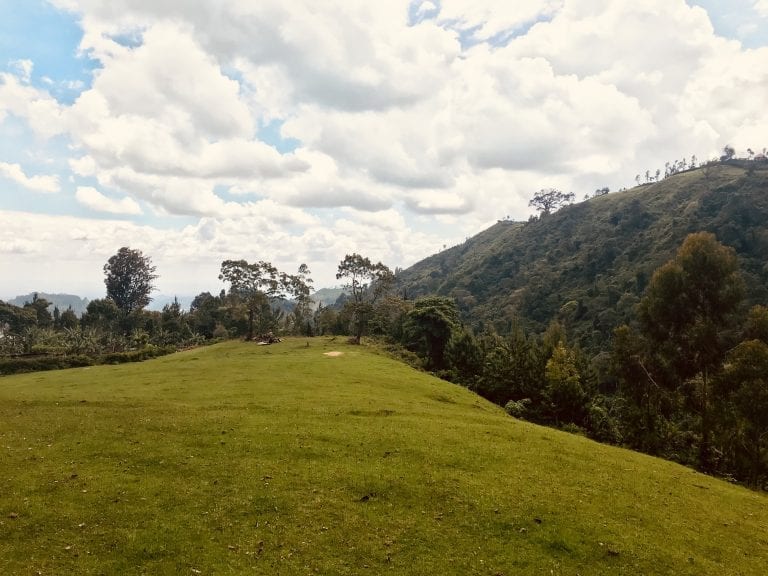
(254, 130)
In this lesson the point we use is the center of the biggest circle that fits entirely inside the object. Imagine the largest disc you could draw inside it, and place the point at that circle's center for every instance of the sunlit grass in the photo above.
(280, 460)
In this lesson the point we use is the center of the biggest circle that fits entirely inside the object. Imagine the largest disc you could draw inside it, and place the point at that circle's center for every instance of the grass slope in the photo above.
(280, 460)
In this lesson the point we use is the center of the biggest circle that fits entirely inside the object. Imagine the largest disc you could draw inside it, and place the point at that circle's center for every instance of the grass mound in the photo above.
(282, 460)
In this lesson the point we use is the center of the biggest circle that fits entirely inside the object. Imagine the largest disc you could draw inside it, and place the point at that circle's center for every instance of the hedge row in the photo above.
(39, 363)
(23, 364)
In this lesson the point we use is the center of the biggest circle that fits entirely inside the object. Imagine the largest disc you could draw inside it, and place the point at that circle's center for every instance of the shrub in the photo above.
(518, 408)
(145, 353)
(39, 363)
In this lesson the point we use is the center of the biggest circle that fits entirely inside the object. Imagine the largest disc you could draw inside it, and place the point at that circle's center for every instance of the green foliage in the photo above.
(129, 280)
(743, 412)
(564, 394)
(464, 357)
(21, 365)
(14, 319)
(513, 369)
(551, 200)
(599, 255)
(756, 327)
(689, 304)
(145, 353)
(690, 301)
(255, 288)
(366, 282)
(429, 327)
(518, 408)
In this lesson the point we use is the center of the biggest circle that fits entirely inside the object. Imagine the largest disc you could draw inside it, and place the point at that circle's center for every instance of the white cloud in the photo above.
(43, 113)
(44, 183)
(23, 69)
(761, 7)
(489, 18)
(95, 200)
(407, 135)
(426, 8)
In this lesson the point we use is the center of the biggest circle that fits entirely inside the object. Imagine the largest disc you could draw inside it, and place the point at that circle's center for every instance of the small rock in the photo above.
(538, 520)
(13, 515)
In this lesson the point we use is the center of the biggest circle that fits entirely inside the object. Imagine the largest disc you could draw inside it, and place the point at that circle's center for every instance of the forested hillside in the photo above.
(588, 264)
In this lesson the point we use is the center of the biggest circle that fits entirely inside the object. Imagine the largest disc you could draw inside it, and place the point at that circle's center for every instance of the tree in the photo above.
(253, 286)
(550, 200)
(206, 312)
(429, 327)
(728, 153)
(68, 319)
(689, 303)
(756, 327)
(744, 412)
(564, 392)
(366, 282)
(40, 307)
(102, 314)
(129, 280)
(300, 286)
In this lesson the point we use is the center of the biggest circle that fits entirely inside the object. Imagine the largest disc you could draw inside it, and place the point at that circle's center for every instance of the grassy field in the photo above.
(240, 459)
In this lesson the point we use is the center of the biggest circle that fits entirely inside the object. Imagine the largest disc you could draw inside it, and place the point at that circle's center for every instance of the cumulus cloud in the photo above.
(38, 108)
(41, 183)
(761, 7)
(95, 200)
(486, 19)
(403, 125)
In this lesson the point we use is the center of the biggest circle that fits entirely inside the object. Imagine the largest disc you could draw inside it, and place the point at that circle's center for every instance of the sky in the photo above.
(298, 132)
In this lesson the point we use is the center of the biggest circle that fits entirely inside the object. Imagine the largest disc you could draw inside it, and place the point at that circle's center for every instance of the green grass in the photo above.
(240, 459)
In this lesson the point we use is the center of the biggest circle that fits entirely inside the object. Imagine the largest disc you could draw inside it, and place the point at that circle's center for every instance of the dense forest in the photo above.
(636, 318)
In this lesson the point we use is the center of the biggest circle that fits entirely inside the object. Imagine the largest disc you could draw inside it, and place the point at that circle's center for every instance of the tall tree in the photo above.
(129, 279)
(689, 304)
(366, 282)
(300, 287)
(743, 385)
(40, 307)
(550, 200)
(253, 285)
(429, 327)
(564, 392)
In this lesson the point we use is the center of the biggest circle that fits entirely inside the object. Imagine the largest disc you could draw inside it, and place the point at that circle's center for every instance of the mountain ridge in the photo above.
(587, 264)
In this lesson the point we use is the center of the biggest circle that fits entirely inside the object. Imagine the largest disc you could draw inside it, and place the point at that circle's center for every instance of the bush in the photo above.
(140, 355)
(518, 408)
(220, 332)
(602, 426)
(40, 363)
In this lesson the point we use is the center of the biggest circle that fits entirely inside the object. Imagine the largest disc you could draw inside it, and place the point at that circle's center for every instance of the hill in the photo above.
(588, 264)
(283, 460)
(63, 301)
(327, 296)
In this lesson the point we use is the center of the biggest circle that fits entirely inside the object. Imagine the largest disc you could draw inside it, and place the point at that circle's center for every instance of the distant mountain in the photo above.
(327, 296)
(63, 301)
(588, 264)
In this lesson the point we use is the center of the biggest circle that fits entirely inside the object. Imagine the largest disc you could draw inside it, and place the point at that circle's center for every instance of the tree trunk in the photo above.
(705, 448)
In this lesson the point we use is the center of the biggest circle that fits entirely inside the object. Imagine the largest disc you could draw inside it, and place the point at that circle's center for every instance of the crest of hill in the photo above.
(588, 264)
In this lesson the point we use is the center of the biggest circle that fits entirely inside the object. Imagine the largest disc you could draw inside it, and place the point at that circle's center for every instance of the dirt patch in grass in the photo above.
(333, 354)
